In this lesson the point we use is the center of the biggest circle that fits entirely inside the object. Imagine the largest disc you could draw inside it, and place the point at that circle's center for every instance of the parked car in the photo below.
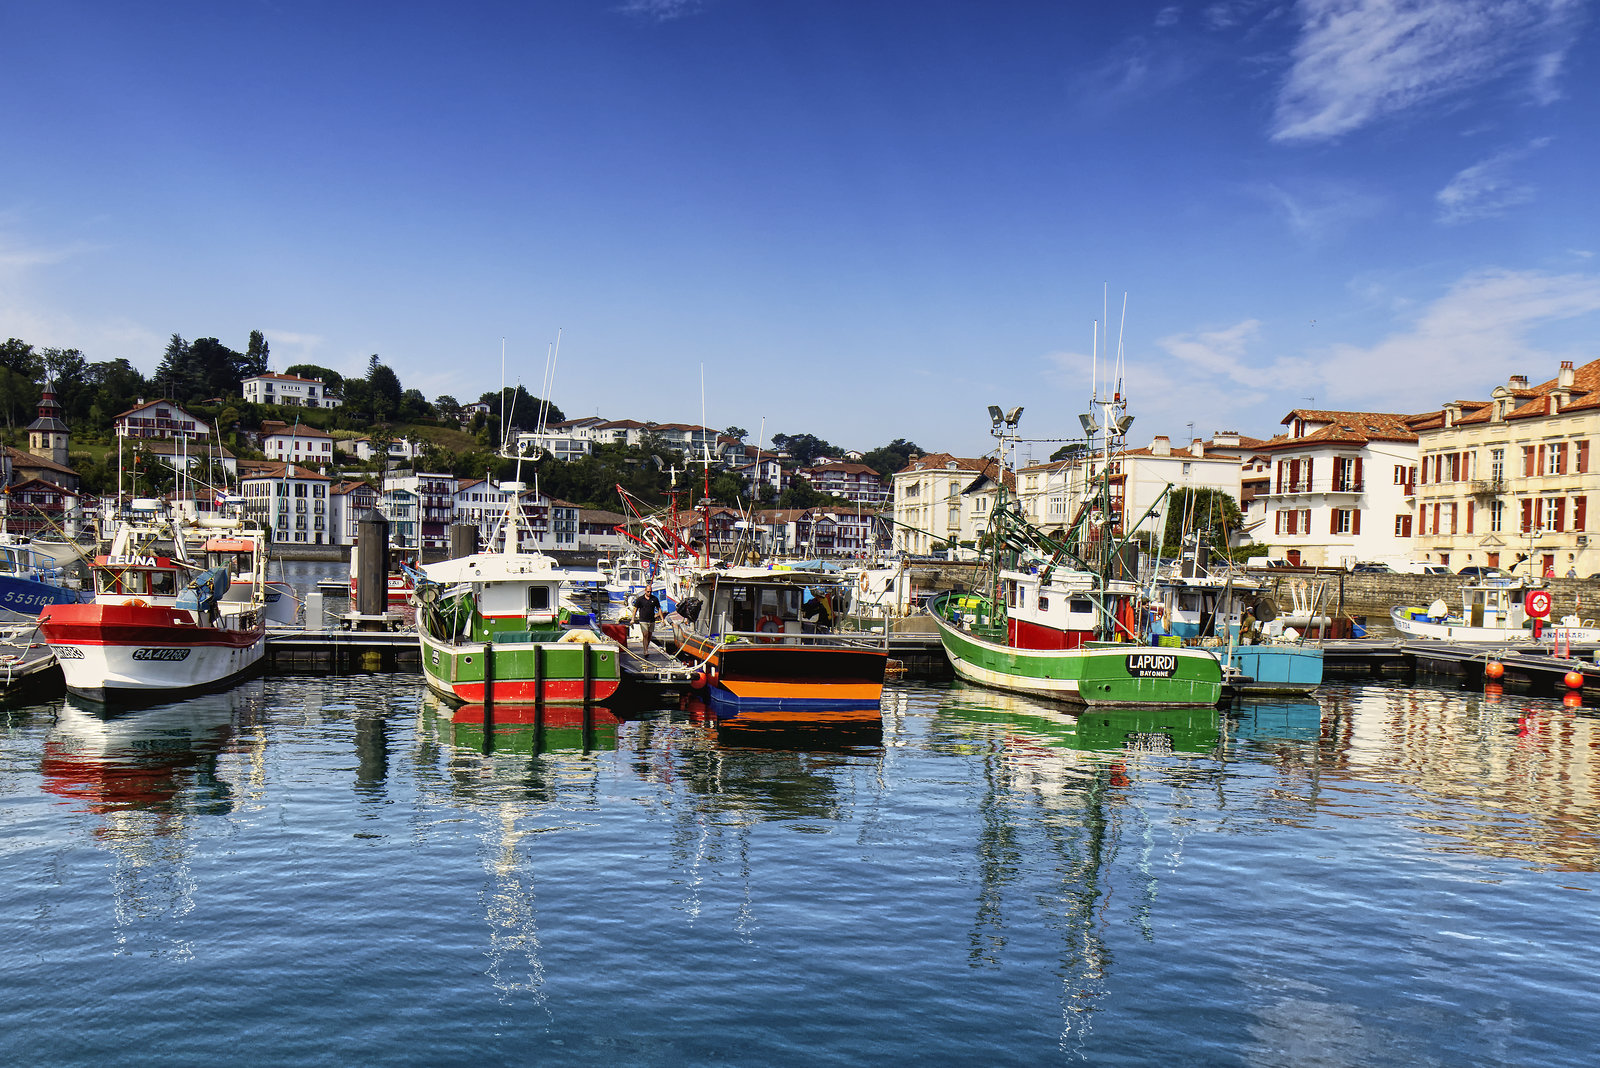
(1373, 569)
(1432, 569)
(1483, 572)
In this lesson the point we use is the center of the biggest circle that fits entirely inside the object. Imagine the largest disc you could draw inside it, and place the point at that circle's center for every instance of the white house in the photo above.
(940, 498)
(1342, 487)
(288, 389)
(297, 444)
(160, 419)
(290, 501)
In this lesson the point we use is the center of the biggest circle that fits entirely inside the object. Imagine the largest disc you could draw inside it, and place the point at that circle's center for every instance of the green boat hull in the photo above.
(1097, 673)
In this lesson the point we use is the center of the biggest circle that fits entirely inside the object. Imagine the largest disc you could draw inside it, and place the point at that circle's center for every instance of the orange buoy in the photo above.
(1494, 669)
(1574, 680)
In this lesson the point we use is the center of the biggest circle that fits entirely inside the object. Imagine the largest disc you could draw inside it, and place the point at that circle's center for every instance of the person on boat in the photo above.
(646, 607)
(818, 611)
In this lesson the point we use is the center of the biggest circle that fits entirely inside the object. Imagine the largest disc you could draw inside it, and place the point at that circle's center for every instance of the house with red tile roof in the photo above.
(1512, 481)
(1341, 487)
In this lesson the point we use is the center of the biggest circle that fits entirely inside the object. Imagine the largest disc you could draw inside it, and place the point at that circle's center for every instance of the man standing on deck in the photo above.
(646, 607)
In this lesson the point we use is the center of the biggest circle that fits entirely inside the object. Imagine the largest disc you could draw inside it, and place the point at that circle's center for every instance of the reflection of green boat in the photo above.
(527, 730)
(1180, 730)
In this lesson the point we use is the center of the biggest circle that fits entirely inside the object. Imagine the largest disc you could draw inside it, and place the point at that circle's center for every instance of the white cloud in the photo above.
(1487, 188)
(1359, 60)
(1459, 345)
(661, 10)
(1168, 16)
(1316, 210)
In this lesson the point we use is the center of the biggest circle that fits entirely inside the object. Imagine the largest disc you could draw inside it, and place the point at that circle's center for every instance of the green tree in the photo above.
(800, 494)
(447, 406)
(1072, 450)
(332, 381)
(173, 373)
(887, 459)
(728, 488)
(1209, 510)
(114, 387)
(523, 411)
(803, 448)
(256, 355)
(20, 368)
(737, 432)
(385, 389)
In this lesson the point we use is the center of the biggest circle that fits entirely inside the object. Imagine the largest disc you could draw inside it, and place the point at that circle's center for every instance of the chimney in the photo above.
(1162, 446)
(1197, 447)
(1566, 376)
(1519, 382)
(1225, 439)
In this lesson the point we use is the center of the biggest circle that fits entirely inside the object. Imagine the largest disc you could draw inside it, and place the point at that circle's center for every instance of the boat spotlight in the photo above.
(995, 414)
(1123, 423)
(1090, 427)
(1013, 415)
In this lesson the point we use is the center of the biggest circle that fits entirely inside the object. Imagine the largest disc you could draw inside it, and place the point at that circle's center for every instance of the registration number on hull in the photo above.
(161, 654)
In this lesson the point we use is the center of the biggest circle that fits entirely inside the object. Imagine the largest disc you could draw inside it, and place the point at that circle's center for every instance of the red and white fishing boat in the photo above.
(163, 625)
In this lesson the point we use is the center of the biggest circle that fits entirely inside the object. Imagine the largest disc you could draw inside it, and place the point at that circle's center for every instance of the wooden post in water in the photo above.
(538, 686)
(372, 564)
(488, 697)
(588, 676)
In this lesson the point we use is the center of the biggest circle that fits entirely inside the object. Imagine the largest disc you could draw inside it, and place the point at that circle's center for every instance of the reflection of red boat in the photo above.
(158, 760)
(529, 729)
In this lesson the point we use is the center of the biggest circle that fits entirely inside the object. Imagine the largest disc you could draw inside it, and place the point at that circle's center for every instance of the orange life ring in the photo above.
(863, 585)
(136, 602)
(775, 630)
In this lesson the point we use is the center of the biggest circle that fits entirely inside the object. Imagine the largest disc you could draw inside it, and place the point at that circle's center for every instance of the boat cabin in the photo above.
(152, 577)
(529, 603)
(1494, 604)
(750, 600)
(1061, 615)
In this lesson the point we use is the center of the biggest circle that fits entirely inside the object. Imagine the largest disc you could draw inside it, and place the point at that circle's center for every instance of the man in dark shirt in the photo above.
(646, 607)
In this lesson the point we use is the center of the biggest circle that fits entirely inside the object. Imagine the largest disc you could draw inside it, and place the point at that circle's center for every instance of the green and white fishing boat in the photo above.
(1059, 618)
(493, 628)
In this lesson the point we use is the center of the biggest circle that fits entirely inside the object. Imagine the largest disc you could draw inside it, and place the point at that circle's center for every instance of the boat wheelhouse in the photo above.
(764, 638)
(161, 624)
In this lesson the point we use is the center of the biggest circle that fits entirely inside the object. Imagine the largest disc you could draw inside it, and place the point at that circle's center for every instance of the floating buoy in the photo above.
(698, 681)
(1574, 680)
(1494, 669)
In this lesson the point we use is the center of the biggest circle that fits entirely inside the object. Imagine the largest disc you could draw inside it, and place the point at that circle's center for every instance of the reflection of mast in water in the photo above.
(512, 918)
(147, 774)
(1069, 764)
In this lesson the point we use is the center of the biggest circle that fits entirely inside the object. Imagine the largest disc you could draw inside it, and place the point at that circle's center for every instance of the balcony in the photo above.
(1486, 489)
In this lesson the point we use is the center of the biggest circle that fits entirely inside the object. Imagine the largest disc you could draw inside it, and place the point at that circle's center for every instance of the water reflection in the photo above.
(525, 730)
(1501, 776)
(150, 776)
(832, 729)
(1068, 785)
(161, 761)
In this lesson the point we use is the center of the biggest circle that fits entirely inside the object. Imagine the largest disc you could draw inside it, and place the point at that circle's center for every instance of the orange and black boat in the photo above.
(764, 638)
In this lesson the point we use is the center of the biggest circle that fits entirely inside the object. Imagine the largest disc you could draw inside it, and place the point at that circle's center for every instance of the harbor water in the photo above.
(341, 870)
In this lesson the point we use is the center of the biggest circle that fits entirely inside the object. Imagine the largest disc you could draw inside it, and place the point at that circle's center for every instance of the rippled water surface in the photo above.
(334, 871)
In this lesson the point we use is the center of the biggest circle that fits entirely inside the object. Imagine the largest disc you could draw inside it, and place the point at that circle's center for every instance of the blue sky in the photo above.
(863, 220)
